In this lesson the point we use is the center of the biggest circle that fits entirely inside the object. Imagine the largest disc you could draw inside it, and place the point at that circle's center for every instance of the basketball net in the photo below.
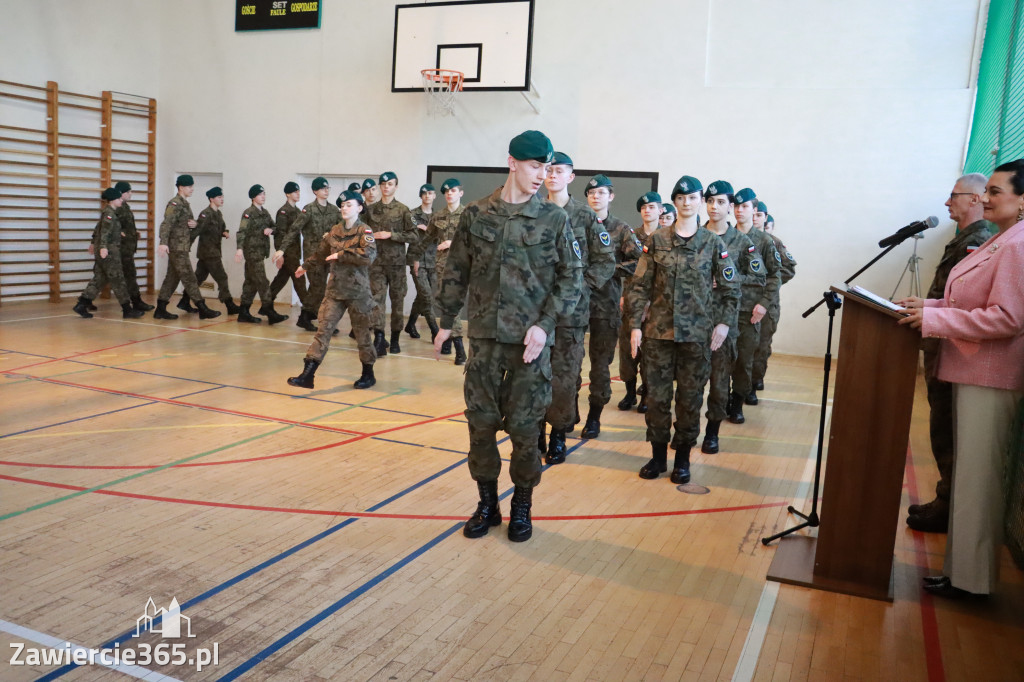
(441, 86)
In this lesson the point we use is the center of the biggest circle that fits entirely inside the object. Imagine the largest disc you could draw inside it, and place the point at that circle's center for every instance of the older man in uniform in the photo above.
(770, 322)
(440, 232)
(211, 231)
(284, 223)
(516, 266)
(107, 253)
(175, 243)
(129, 245)
(422, 261)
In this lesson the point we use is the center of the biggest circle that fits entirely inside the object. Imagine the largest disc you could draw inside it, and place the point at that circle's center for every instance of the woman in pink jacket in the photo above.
(980, 320)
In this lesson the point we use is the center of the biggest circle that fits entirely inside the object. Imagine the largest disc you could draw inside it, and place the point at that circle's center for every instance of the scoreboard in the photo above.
(269, 15)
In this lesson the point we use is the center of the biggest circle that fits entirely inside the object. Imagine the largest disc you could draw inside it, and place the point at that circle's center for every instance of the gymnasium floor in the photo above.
(315, 535)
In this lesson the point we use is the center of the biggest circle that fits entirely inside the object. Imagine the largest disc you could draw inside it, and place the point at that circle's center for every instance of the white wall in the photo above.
(849, 119)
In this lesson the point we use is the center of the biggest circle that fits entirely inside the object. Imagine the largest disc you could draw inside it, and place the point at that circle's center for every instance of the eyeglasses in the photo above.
(960, 194)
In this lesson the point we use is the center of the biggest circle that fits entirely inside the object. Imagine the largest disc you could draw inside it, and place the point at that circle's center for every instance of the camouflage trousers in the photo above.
(317, 277)
(256, 282)
(940, 422)
(331, 312)
(629, 366)
(689, 366)
(107, 271)
(604, 337)
(287, 274)
(424, 283)
(746, 346)
(566, 365)
(505, 394)
(457, 325)
(214, 267)
(131, 276)
(388, 281)
(179, 269)
(722, 361)
(769, 324)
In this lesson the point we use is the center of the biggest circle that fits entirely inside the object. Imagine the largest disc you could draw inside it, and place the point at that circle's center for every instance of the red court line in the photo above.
(379, 515)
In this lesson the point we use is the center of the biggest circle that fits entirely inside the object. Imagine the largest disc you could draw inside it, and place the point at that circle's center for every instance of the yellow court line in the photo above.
(62, 434)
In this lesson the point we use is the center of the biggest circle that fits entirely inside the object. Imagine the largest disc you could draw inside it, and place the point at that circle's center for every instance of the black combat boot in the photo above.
(304, 322)
(751, 398)
(446, 347)
(630, 400)
(91, 307)
(681, 467)
(556, 447)
(592, 429)
(367, 379)
(410, 326)
(432, 324)
(394, 347)
(205, 311)
(351, 333)
(710, 444)
(659, 461)
(232, 308)
(520, 527)
(82, 307)
(759, 385)
(273, 317)
(305, 380)
(735, 408)
(161, 311)
(642, 407)
(460, 351)
(245, 316)
(487, 511)
(380, 344)
(129, 313)
(576, 415)
(185, 305)
(542, 439)
(141, 305)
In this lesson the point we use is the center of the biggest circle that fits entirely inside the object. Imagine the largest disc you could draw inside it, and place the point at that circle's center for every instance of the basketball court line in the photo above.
(44, 317)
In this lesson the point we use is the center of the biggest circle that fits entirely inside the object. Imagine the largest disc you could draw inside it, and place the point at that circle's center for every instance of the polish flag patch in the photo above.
(725, 254)
(245, 215)
(972, 249)
(751, 249)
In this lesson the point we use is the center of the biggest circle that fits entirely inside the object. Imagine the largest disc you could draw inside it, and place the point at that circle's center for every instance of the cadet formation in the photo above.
(543, 279)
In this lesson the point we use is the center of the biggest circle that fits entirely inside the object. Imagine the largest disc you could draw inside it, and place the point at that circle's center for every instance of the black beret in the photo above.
(123, 187)
(184, 181)
(214, 192)
(111, 194)
(255, 191)
(290, 187)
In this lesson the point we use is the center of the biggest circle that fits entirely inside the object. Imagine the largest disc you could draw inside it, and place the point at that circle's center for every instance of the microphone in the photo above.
(910, 230)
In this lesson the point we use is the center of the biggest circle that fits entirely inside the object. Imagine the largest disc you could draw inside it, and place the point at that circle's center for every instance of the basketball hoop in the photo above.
(441, 86)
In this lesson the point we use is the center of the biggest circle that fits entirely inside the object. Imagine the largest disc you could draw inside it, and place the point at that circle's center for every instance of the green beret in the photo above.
(354, 187)
(290, 187)
(214, 192)
(744, 195)
(761, 207)
(319, 183)
(450, 183)
(111, 194)
(368, 183)
(426, 188)
(184, 181)
(769, 219)
(669, 208)
(561, 159)
(351, 195)
(387, 175)
(123, 187)
(686, 185)
(648, 198)
(598, 181)
(531, 145)
(255, 191)
(718, 187)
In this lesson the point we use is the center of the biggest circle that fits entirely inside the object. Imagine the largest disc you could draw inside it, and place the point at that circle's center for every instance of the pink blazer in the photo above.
(980, 319)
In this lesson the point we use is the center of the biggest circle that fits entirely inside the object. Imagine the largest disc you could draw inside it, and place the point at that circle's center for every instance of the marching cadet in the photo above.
(668, 215)
(253, 243)
(211, 231)
(770, 323)
(392, 227)
(515, 265)
(371, 193)
(107, 254)
(605, 313)
(129, 245)
(440, 232)
(356, 187)
(422, 261)
(598, 259)
(284, 223)
(175, 242)
(691, 285)
(756, 301)
(314, 221)
(347, 250)
(650, 207)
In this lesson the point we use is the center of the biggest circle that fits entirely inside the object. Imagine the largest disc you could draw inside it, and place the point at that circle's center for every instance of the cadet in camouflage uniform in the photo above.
(422, 261)
(692, 286)
(371, 192)
(598, 259)
(284, 223)
(211, 231)
(393, 228)
(770, 322)
(129, 245)
(440, 232)
(605, 313)
(253, 243)
(651, 212)
(175, 242)
(348, 250)
(107, 253)
(314, 221)
(516, 267)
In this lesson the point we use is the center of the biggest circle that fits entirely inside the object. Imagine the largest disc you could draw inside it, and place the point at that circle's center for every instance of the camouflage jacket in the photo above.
(772, 263)
(349, 278)
(129, 232)
(107, 234)
(421, 249)
(788, 269)
(514, 266)
(174, 230)
(597, 254)
(250, 238)
(284, 222)
(396, 219)
(645, 246)
(604, 301)
(313, 222)
(210, 232)
(750, 276)
(441, 228)
(692, 285)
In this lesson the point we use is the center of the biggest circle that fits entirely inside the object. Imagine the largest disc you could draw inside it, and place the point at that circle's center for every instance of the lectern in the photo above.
(867, 450)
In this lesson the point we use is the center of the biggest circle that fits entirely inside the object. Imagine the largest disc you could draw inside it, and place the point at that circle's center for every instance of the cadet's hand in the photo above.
(92, 250)
(382, 235)
(224, 234)
(164, 249)
(415, 268)
(445, 245)
(421, 227)
(103, 252)
(299, 272)
(442, 336)
(635, 337)
(238, 256)
(267, 231)
(333, 256)
(535, 340)
(718, 336)
(278, 258)
(759, 311)
(192, 223)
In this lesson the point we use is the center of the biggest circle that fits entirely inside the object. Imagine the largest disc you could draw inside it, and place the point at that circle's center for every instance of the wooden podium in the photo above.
(866, 456)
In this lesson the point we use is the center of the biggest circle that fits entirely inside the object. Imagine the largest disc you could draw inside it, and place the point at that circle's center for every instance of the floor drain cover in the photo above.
(693, 489)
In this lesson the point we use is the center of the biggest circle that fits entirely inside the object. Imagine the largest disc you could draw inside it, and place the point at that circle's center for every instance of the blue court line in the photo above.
(419, 445)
